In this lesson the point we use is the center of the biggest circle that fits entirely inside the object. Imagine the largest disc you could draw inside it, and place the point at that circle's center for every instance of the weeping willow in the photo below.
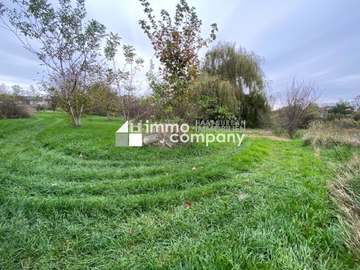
(214, 98)
(237, 75)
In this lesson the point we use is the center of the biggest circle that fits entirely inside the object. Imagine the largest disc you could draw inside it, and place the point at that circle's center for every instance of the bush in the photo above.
(344, 123)
(311, 114)
(103, 101)
(40, 108)
(11, 107)
(356, 116)
(143, 109)
(279, 119)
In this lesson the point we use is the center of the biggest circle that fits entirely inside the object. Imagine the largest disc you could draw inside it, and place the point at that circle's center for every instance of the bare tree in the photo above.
(122, 79)
(299, 97)
(356, 103)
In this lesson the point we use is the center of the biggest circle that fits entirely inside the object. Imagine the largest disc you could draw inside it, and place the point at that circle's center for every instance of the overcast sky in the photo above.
(312, 40)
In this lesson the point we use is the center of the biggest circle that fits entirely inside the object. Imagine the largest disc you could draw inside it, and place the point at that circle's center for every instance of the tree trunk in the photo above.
(77, 121)
(75, 117)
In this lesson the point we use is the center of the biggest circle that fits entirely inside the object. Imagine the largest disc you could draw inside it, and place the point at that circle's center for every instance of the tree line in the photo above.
(86, 77)
(83, 76)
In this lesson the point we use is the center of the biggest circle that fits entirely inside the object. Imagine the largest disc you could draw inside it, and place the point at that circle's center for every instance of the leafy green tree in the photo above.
(255, 109)
(65, 42)
(212, 98)
(103, 100)
(242, 70)
(341, 109)
(176, 42)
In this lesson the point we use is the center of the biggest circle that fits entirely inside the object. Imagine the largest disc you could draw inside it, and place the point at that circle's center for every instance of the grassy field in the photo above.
(70, 200)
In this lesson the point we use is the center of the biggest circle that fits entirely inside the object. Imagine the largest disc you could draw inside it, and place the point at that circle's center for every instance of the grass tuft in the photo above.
(345, 192)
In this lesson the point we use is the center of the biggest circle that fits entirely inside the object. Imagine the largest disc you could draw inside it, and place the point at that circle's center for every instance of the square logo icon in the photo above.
(125, 139)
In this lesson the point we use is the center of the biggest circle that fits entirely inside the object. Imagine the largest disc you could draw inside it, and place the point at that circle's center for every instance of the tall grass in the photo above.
(345, 192)
(332, 133)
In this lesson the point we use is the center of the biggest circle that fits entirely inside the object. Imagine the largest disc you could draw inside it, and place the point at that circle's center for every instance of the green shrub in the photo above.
(356, 117)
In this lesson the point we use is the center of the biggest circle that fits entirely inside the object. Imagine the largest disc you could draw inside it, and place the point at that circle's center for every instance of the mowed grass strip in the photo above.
(70, 200)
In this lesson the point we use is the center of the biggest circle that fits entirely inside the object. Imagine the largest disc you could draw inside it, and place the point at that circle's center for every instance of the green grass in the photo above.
(70, 200)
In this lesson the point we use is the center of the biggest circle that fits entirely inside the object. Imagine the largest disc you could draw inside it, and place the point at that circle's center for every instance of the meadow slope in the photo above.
(70, 200)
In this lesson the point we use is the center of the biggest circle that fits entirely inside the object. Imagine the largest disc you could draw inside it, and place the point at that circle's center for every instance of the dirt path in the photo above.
(271, 137)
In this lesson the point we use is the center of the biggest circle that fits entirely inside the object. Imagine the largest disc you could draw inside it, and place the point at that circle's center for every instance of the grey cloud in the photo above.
(312, 40)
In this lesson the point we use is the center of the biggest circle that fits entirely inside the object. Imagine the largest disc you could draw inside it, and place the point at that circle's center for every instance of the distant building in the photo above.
(324, 112)
(36, 102)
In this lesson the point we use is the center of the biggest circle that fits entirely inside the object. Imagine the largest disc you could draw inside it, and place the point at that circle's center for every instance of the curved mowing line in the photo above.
(138, 186)
(115, 205)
